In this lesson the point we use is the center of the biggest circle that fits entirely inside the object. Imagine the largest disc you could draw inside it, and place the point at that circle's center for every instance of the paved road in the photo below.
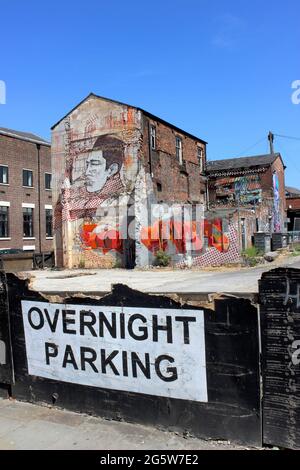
(30, 427)
(156, 281)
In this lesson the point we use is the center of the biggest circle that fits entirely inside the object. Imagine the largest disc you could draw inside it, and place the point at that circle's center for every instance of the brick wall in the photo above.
(293, 203)
(174, 183)
(20, 154)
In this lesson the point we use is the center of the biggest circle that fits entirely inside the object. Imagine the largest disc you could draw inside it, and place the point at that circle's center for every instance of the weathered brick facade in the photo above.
(250, 192)
(293, 213)
(20, 151)
(184, 183)
(104, 157)
(293, 203)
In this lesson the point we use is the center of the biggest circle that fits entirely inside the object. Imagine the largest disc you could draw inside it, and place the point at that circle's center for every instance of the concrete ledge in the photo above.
(206, 297)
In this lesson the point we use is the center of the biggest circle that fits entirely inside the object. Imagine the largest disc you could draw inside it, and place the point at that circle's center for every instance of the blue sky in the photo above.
(221, 70)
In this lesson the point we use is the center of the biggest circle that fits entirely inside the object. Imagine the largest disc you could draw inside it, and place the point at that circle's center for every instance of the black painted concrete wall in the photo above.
(232, 354)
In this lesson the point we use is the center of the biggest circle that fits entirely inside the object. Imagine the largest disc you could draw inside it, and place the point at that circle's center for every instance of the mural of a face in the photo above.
(103, 162)
(97, 172)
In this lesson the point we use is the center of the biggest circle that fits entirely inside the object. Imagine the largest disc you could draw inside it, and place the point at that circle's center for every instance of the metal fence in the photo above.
(294, 239)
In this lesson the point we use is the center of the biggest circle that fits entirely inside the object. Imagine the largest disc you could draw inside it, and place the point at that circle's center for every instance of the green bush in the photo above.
(162, 259)
(251, 256)
(252, 252)
(296, 249)
(117, 264)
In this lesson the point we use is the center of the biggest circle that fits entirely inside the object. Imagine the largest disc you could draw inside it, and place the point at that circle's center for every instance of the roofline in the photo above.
(27, 139)
(178, 129)
(152, 116)
(277, 155)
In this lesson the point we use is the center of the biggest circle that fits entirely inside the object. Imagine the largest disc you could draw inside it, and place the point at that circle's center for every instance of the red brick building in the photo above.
(293, 208)
(25, 192)
(176, 160)
(248, 193)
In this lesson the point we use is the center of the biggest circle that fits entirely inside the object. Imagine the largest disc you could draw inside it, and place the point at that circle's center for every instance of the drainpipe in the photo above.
(38, 146)
(207, 193)
(150, 149)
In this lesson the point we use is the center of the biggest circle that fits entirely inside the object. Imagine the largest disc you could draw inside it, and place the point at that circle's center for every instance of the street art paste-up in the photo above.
(277, 218)
(95, 163)
(244, 190)
(94, 177)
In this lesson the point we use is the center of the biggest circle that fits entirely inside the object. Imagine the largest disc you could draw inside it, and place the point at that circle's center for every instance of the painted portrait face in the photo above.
(103, 162)
(98, 170)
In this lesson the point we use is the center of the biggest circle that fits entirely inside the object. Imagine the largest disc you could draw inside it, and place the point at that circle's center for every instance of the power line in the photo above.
(295, 166)
(252, 146)
(287, 137)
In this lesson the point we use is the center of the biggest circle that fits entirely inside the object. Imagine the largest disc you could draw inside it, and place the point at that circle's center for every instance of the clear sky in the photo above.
(221, 70)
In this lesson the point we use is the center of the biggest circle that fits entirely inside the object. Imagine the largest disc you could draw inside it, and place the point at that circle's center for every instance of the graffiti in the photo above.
(288, 296)
(214, 257)
(163, 234)
(213, 232)
(105, 240)
(242, 190)
(277, 218)
(168, 234)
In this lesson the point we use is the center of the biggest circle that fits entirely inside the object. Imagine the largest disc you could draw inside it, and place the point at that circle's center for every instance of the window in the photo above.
(27, 178)
(49, 232)
(48, 178)
(3, 174)
(4, 231)
(159, 187)
(200, 158)
(179, 150)
(153, 137)
(27, 222)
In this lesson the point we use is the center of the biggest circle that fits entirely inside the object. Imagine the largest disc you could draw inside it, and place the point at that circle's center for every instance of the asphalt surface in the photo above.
(231, 281)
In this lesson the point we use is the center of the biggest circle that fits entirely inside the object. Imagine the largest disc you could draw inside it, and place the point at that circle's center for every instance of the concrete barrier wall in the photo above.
(189, 368)
(13, 263)
(192, 363)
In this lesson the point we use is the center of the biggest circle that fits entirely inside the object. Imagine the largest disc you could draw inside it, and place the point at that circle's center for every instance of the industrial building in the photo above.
(126, 184)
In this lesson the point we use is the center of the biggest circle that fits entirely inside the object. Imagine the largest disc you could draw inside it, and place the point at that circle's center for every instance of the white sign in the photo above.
(151, 351)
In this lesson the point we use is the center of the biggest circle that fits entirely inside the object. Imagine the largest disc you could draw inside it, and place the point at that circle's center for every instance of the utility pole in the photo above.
(271, 140)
